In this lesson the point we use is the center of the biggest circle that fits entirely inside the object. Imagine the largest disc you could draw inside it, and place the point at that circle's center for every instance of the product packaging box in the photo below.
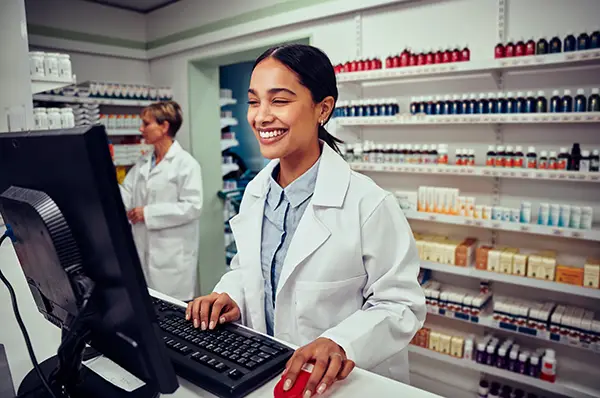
(569, 275)
(465, 252)
(493, 263)
(456, 346)
(520, 264)
(506, 260)
(445, 344)
(591, 273)
(407, 200)
(434, 341)
(481, 258)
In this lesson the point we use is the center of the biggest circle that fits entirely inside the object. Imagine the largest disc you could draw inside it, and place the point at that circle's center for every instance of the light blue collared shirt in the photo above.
(283, 210)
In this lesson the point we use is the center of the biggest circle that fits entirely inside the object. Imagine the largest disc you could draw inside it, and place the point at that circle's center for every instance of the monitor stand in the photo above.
(66, 375)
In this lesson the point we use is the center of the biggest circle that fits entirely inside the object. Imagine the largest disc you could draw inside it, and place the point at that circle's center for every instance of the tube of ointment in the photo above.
(515, 215)
(497, 213)
(586, 217)
(505, 214)
(544, 214)
(565, 216)
(525, 212)
(554, 215)
(431, 199)
(575, 221)
(478, 212)
(422, 199)
(469, 206)
(440, 195)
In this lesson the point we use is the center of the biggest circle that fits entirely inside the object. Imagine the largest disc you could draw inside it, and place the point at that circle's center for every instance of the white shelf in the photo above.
(228, 168)
(562, 387)
(91, 100)
(228, 121)
(226, 144)
(47, 84)
(227, 101)
(489, 322)
(479, 171)
(120, 132)
(124, 163)
(472, 272)
(582, 234)
(513, 64)
(490, 118)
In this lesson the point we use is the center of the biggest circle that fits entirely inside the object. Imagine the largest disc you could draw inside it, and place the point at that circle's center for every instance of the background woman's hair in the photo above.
(166, 111)
(315, 72)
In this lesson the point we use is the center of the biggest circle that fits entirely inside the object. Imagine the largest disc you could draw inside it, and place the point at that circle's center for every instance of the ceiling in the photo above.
(141, 6)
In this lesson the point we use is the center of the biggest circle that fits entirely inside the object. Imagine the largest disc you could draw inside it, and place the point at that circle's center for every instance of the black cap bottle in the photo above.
(595, 39)
(541, 104)
(580, 101)
(567, 101)
(569, 43)
(511, 102)
(575, 158)
(555, 45)
(541, 47)
(583, 42)
(555, 102)
(594, 101)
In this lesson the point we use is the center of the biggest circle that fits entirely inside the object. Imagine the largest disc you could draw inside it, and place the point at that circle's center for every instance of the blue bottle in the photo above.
(583, 42)
(595, 39)
(580, 101)
(555, 102)
(429, 108)
(567, 101)
(414, 106)
(511, 103)
(594, 101)
(464, 104)
(555, 45)
(482, 104)
(360, 108)
(492, 103)
(472, 104)
(541, 104)
(383, 109)
(521, 102)
(530, 103)
(447, 108)
(569, 44)
(456, 105)
(502, 104)
(352, 109)
(368, 108)
(438, 106)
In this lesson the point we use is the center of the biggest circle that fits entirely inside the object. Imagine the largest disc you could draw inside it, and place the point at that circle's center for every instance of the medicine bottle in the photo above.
(464, 104)
(40, 119)
(447, 107)
(482, 104)
(555, 102)
(490, 156)
(584, 162)
(513, 359)
(580, 101)
(472, 104)
(64, 66)
(518, 393)
(484, 389)
(583, 42)
(541, 105)
(438, 106)
(567, 102)
(595, 39)
(500, 156)
(555, 45)
(531, 158)
(569, 43)
(548, 371)
(530, 103)
(534, 366)
(594, 101)
(456, 105)
(595, 160)
(465, 54)
(553, 161)
(54, 119)
(524, 362)
(36, 64)
(542, 47)
(502, 104)
(575, 157)
(455, 55)
(521, 102)
(499, 51)
(509, 157)
(492, 103)
(443, 154)
(530, 47)
(519, 158)
(543, 161)
(481, 356)
(51, 65)
(563, 159)
(520, 48)
(494, 393)
(429, 57)
(438, 56)
(501, 359)
(509, 49)
(490, 358)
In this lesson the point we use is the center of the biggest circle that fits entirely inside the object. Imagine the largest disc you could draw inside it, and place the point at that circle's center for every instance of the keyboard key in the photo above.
(246, 355)
(171, 343)
(220, 367)
(212, 362)
(184, 349)
(244, 347)
(226, 354)
(238, 351)
(248, 342)
(251, 365)
(235, 374)
(242, 361)
(255, 345)
(257, 359)
(234, 357)
(268, 350)
(264, 355)
(196, 340)
(252, 350)
(218, 350)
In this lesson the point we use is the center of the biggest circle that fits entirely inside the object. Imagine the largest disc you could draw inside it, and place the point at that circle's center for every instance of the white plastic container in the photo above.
(51, 65)
(587, 216)
(65, 70)
(67, 118)
(36, 65)
(40, 118)
(54, 118)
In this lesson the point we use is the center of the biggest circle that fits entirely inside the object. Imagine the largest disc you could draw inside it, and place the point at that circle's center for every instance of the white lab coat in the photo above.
(350, 273)
(167, 241)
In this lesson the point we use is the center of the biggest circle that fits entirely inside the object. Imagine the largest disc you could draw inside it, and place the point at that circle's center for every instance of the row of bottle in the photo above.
(509, 356)
(367, 108)
(429, 57)
(370, 152)
(576, 160)
(498, 103)
(495, 390)
(555, 45)
(369, 63)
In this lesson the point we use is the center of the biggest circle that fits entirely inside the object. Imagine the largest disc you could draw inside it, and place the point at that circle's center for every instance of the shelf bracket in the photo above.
(501, 20)
(358, 32)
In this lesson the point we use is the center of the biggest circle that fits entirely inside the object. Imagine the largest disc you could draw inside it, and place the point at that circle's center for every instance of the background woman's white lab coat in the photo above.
(350, 273)
(167, 241)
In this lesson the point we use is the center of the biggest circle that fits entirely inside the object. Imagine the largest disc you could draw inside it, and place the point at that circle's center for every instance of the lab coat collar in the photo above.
(332, 183)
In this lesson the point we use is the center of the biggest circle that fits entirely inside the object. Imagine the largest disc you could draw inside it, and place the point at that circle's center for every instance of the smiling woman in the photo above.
(326, 259)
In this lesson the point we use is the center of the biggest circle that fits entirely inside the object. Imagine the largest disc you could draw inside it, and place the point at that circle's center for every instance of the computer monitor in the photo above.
(59, 194)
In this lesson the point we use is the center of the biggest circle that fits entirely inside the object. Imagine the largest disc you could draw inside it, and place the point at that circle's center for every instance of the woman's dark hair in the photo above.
(315, 72)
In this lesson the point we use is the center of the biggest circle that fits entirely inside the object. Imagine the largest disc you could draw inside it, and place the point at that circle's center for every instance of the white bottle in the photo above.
(548, 372)
(54, 118)
(64, 67)
(40, 118)
(468, 350)
(51, 65)
(584, 163)
(67, 119)
(36, 64)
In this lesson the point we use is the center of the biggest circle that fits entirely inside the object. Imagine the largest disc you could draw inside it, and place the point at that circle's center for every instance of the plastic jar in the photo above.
(64, 67)
(36, 65)
(51, 65)
(67, 118)
(40, 118)
(54, 118)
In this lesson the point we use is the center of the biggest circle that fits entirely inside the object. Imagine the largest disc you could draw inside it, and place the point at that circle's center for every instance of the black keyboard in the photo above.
(229, 361)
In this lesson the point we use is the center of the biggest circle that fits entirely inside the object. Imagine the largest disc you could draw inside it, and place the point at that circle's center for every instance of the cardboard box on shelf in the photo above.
(520, 264)
(506, 260)
(481, 258)
(465, 252)
(493, 263)
(591, 273)
(569, 275)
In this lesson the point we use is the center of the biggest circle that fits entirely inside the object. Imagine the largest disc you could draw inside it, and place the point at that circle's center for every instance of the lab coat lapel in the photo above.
(247, 228)
(330, 190)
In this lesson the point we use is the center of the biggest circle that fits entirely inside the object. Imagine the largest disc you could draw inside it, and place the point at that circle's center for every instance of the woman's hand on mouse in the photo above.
(209, 311)
(330, 365)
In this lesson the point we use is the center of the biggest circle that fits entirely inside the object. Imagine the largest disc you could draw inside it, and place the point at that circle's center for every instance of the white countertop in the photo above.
(45, 339)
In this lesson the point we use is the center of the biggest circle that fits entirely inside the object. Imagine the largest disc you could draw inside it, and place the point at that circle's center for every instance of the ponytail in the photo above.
(330, 140)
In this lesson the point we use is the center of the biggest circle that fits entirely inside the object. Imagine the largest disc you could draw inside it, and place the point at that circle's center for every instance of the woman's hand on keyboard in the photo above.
(208, 311)
(330, 365)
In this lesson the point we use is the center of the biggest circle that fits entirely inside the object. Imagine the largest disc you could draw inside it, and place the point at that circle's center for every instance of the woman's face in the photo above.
(151, 131)
(281, 111)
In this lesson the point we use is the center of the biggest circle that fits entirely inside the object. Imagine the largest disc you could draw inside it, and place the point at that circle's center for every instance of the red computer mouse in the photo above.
(298, 387)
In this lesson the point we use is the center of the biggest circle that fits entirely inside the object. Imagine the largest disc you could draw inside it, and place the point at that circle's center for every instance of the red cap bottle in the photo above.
(447, 56)
(347, 67)
(455, 55)
(499, 51)
(530, 47)
(412, 59)
(378, 63)
(360, 65)
(396, 61)
(353, 66)
(509, 49)
(421, 59)
(438, 56)
(404, 57)
(465, 54)
(520, 48)
(388, 61)
(429, 58)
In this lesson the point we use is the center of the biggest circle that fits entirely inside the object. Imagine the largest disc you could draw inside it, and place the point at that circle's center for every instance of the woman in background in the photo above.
(162, 194)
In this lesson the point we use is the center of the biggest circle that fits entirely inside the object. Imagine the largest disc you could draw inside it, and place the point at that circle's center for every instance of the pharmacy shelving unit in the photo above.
(227, 101)
(228, 143)
(582, 234)
(563, 387)
(488, 321)
(477, 171)
(228, 168)
(357, 82)
(521, 118)
(123, 132)
(458, 69)
(91, 100)
(40, 85)
(228, 122)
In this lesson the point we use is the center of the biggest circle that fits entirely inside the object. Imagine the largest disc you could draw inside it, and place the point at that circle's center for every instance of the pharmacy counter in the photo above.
(46, 337)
